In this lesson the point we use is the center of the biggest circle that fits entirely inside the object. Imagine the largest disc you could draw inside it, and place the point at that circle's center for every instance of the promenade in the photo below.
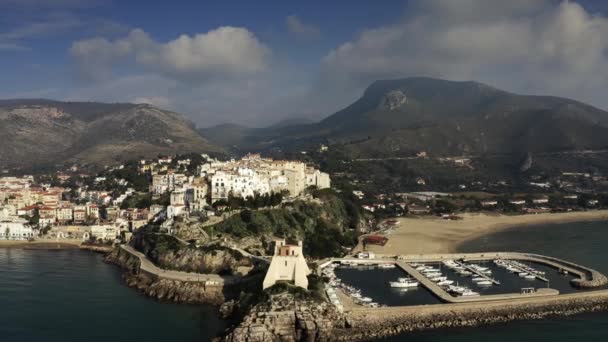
(149, 267)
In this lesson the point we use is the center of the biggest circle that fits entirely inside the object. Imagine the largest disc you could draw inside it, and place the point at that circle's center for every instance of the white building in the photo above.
(105, 232)
(15, 230)
(287, 265)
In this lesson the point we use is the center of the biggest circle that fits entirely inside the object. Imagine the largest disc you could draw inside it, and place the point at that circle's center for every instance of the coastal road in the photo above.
(148, 266)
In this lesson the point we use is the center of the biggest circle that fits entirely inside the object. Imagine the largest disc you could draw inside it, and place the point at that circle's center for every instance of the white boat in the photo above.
(465, 273)
(432, 274)
(469, 293)
(457, 289)
(438, 279)
(403, 284)
(523, 274)
(530, 277)
(445, 282)
(405, 279)
(479, 268)
(449, 263)
(366, 299)
(356, 295)
(484, 283)
(476, 279)
(421, 268)
(386, 266)
(511, 269)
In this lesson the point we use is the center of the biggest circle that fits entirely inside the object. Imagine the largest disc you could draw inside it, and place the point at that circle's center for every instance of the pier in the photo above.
(586, 277)
(521, 269)
(477, 272)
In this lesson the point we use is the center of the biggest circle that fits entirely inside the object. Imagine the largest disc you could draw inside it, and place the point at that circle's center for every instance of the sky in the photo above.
(257, 63)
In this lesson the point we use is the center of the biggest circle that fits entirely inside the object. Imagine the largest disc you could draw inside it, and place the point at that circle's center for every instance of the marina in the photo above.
(452, 278)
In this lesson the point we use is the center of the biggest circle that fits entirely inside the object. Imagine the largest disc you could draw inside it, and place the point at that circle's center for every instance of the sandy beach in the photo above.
(436, 235)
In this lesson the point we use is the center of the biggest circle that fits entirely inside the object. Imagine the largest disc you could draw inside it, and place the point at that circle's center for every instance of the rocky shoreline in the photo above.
(165, 289)
(362, 326)
(284, 317)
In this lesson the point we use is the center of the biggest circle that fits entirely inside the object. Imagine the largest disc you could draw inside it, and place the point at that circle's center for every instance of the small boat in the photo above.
(522, 274)
(356, 295)
(421, 268)
(403, 284)
(366, 299)
(445, 282)
(386, 266)
(469, 293)
(438, 279)
(432, 274)
(457, 289)
(465, 273)
(530, 277)
(476, 279)
(484, 283)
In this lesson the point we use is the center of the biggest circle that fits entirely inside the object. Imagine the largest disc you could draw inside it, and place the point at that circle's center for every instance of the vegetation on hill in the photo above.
(325, 226)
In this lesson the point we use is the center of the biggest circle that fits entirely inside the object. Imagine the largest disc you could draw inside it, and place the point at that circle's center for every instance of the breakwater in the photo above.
(364, 324)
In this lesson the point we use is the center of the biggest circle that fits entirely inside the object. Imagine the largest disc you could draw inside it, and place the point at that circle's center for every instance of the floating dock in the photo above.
(477, 272)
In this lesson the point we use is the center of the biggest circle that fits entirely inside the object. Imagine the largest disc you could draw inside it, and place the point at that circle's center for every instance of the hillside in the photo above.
(44, 132)
(401, 117)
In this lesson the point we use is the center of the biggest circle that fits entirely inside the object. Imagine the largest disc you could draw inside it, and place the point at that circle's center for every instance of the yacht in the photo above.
(484, 283)
(457, 289)
(438, 279)
(403, 283)
(432, 274)
(469, 293)
(445, 283)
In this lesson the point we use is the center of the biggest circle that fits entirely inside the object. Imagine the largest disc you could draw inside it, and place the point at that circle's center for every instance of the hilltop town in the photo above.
(110, 206)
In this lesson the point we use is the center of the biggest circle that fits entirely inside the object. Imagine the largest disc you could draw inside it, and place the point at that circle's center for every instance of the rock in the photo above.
(284, 318)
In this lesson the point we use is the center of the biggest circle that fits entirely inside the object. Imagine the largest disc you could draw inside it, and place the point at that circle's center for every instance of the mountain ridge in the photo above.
(46, 132)
(399, 117)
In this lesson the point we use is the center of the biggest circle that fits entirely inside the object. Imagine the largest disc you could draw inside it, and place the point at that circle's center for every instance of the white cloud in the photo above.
(225, 51)
(296, 26)
(528, 46)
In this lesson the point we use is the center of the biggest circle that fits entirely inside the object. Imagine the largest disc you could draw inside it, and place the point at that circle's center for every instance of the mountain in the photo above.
(401, 117)
(44, 132)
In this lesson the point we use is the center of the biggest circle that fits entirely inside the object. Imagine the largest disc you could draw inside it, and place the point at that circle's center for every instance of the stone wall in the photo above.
(165, 289)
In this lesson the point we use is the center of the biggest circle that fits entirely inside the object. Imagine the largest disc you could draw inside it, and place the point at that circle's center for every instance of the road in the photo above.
(148, 266)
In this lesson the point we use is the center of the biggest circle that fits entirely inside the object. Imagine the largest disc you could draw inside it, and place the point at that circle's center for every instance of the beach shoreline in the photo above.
(423, 235)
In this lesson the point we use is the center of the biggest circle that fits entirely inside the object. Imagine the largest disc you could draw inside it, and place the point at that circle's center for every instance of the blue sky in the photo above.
(258, 62)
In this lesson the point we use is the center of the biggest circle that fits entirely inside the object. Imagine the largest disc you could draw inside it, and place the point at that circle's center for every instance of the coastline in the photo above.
(53, 245)
(40, 244)
(422, 235)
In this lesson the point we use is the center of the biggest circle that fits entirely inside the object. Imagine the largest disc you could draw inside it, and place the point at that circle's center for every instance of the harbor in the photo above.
(391, 281)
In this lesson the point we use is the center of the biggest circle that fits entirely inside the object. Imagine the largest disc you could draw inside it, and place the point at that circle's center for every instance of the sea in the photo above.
(72, 295)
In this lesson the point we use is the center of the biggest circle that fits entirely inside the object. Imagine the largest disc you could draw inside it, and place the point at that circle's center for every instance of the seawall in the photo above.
(164, 288)
(365, 324)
